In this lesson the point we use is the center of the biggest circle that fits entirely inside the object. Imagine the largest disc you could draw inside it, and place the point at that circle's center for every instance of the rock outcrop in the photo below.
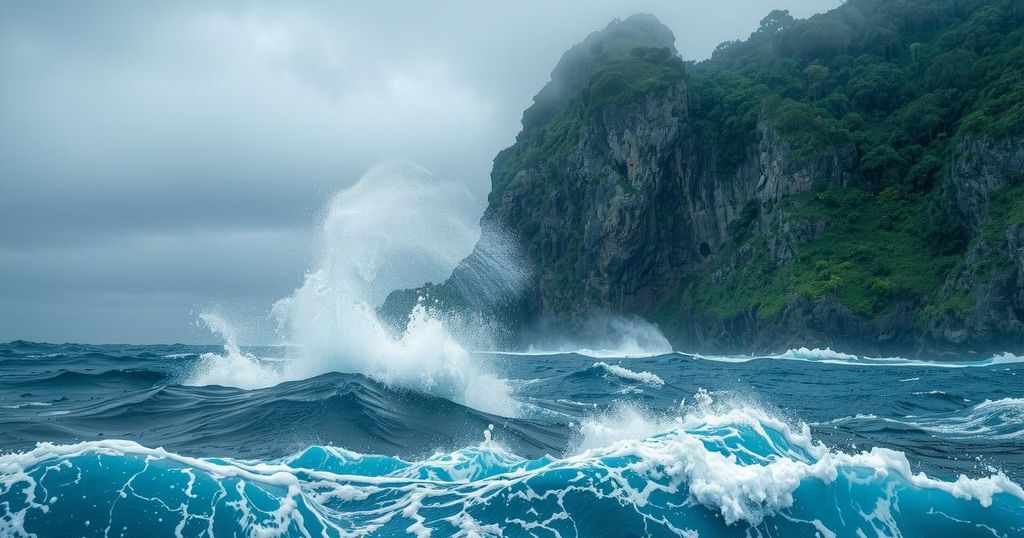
(619, 202)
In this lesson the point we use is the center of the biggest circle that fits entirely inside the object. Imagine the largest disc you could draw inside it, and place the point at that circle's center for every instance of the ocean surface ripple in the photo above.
(119, 440)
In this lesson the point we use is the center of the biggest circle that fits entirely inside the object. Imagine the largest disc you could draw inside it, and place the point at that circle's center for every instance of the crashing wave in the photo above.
(397, 212)
(721, 472)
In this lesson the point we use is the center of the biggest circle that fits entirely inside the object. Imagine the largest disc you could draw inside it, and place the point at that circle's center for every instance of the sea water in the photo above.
(349, 429)
(113, 440)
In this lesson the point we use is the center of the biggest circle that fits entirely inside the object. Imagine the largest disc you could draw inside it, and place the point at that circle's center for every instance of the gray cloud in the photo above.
(159, 157)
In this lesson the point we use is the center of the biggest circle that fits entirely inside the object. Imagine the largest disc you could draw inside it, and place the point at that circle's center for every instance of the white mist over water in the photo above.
(605, 336)
(394, 227)
(235, 368)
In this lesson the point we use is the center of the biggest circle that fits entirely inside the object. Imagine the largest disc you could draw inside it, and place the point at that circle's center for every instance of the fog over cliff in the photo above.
(161, 159)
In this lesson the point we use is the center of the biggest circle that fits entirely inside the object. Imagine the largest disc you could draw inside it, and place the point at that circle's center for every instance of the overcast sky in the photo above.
(159, 159)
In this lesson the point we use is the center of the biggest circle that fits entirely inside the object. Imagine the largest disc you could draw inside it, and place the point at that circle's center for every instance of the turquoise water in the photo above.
(806, 444)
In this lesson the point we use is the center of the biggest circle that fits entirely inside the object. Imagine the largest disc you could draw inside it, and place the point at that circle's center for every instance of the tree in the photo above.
(875, 88)
(882, 164)
(884, 41)
(724, 47)
(954, 69)
(817, 38)
(922, 175)
(816, 74)
(924, 118)
(776, 21)
(917, 52)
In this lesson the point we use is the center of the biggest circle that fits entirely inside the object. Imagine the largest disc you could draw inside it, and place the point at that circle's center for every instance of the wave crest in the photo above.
(708, 473)
(828, 356)
(396, 215)
(622, 372)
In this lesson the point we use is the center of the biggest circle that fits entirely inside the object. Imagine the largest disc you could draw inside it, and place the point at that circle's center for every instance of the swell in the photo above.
(58, 380)
(828, 356)
(647, 472)
(615, 374)
(61, 398)
(352, 409)
(723, 473)
(1001, 419)
(817, 355)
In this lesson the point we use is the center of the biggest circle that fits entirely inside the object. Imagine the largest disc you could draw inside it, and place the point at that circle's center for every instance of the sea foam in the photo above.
(630, 375)
(713, 470)
(828, 356)
(396, 215)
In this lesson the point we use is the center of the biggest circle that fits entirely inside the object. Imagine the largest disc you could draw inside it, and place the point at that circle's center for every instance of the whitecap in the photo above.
(648, 378)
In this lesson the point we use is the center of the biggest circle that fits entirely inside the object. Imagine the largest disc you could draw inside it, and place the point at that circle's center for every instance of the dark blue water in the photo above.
(108, 440)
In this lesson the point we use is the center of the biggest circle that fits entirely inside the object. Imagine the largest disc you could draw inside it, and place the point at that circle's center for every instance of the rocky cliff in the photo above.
(755, 202)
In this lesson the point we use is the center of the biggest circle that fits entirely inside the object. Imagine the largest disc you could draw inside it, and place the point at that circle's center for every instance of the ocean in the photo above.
(356, 429)
(163, 440)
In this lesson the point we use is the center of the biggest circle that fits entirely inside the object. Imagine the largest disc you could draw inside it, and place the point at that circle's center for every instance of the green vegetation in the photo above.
(893, 85)
(806, 126)
(875, 252)
(888, 74)
(646, 71)
(1007, 210)
(725, 108)
(739, 228)
(543, 149)
(617, 80)
(900, 80)
(756, 284)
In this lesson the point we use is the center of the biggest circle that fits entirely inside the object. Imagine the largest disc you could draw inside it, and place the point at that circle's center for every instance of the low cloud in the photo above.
(155, 158)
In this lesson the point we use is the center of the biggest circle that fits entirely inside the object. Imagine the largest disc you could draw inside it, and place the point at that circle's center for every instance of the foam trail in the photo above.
(991, 419)
(1001, 419)
(625, 373)
(828, 356)
(714, 471)
(397, 215)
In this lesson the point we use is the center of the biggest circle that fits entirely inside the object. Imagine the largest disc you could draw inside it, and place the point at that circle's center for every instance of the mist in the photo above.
(160, 159)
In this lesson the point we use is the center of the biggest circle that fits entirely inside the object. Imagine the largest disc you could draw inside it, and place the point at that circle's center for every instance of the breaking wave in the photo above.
(396, 213)
(647, 378)
(1001, 419)
(710, 472)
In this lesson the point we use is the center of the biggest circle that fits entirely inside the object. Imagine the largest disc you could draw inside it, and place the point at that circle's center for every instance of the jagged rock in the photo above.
(784, 175)
(619, 206)
(981, 166)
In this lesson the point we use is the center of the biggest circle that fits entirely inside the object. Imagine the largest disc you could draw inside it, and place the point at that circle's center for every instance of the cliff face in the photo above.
(986, 290)
(605, 234)
(628, 193)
